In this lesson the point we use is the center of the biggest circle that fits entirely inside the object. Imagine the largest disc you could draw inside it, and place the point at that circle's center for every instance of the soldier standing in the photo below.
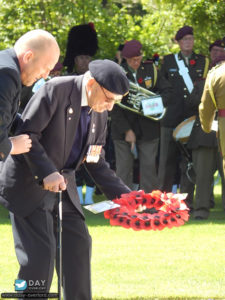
(205, 153)
(213, 100)
(182, 70)
(130, 130)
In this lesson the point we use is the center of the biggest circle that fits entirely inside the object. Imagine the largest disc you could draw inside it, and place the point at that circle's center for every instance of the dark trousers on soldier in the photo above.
(205, 161)
(147, 154)
(35, 245)
(169, 158)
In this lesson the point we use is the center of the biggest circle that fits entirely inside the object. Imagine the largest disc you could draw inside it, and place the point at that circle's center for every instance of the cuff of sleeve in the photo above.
(12, 148)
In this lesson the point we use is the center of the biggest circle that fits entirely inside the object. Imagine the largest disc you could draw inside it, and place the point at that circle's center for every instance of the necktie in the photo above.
(80, 138)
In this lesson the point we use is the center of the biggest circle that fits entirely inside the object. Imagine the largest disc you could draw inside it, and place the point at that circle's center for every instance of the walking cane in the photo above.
(59, 244)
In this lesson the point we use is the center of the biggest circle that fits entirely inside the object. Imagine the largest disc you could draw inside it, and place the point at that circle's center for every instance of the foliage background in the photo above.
(153, 22)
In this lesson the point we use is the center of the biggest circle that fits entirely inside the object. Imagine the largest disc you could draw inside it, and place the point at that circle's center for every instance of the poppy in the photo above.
(192, 62)
(135, 223)
(152, 211)
(107, 214)
(156, 223)
(140, 80)
(145, 221)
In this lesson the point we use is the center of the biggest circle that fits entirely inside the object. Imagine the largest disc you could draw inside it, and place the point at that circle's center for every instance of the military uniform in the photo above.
(214, 90)
(206, 158)
(147, 131)
(177, 111)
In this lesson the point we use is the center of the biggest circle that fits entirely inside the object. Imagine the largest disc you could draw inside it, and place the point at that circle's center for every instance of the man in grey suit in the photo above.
(66, 121)
(32, 57)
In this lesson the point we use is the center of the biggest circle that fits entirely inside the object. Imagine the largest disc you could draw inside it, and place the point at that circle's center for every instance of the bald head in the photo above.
(36, 40)
(37, 52)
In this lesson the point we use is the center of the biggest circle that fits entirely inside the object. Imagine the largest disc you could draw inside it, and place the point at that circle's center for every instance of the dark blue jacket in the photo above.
(51, 119)
(10, 91)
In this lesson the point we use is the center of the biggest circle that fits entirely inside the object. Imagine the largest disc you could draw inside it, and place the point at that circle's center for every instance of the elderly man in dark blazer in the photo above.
(66, 121)
(32, 57)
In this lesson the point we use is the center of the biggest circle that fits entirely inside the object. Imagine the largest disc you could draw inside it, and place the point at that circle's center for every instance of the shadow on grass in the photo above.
(4, 216)
(217, 216)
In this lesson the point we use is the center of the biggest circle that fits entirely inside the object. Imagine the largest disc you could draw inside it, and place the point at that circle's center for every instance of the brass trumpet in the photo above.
(133, 101)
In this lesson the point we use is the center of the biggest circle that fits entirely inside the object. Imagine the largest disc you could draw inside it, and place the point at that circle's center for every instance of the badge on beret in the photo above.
(148, 82)
(93, 153)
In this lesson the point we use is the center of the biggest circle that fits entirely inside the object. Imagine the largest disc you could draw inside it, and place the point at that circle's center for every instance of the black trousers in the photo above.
(170, 159)
(83, 178)
(35, 246)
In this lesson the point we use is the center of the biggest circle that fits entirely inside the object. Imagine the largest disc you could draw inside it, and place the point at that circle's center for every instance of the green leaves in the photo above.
(153, 22)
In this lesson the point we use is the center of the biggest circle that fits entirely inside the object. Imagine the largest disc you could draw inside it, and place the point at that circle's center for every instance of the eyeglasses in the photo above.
(115, 99)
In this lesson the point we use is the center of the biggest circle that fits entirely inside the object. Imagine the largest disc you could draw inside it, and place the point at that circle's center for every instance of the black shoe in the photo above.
(191, 210)
(212, 204)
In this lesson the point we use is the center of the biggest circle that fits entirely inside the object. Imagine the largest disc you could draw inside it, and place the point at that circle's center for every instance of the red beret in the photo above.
(218, 60)
(131, 49)
(182, 32)
(218, 43)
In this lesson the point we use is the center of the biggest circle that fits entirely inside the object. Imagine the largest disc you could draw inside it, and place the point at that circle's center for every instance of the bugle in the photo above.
(143, 102)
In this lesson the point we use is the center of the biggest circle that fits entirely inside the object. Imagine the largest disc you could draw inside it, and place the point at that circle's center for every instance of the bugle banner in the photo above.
(143, 102)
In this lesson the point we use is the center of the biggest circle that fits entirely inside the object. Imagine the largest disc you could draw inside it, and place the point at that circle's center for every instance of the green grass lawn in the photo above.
(180, 263)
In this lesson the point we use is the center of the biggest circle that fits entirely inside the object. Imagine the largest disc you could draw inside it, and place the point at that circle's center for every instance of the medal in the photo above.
(93, 153)
(148, 82)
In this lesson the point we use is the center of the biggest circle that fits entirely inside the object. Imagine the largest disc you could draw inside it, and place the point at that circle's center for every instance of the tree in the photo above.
(153, 22)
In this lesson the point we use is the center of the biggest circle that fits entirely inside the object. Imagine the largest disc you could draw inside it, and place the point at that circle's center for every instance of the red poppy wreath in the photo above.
(153, 211)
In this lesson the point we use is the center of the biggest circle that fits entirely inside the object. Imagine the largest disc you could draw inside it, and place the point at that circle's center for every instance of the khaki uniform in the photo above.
(206, 159)
(214, 88)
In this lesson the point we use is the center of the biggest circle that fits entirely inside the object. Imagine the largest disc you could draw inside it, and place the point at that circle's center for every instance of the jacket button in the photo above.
(35, 177)
(185, 96)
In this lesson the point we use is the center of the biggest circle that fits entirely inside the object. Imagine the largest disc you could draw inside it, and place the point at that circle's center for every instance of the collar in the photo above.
(181, 55)
(84, 101)
(131, 70)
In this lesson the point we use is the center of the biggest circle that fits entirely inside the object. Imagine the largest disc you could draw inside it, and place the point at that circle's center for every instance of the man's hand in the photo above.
(130, 137)
(54, 182)
(20, 144)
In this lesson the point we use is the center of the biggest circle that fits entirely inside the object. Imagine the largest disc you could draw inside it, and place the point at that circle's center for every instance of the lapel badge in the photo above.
(93, 128)
(70, 110)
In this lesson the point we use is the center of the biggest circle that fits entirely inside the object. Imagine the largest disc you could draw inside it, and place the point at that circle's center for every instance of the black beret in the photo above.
(109, 75)
(182, 32)
(131, 49)
(218, 43)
